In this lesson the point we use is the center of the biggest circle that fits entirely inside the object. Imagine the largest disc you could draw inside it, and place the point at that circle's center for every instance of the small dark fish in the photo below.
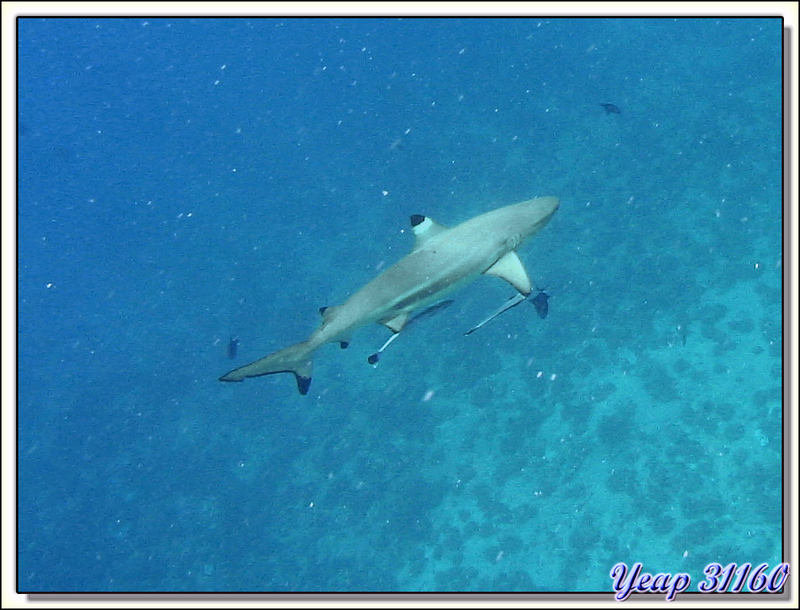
(611, 108)
(233, 347)
(540, 302)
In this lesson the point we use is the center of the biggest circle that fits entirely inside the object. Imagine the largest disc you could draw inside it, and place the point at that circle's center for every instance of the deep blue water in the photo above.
(186, 181)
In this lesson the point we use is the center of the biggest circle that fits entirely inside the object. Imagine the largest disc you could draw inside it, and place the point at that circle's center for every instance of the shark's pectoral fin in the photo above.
(511, 269)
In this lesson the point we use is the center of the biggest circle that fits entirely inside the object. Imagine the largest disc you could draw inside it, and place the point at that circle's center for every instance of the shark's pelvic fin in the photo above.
(511, 269)
(397, 323)
(293, 359)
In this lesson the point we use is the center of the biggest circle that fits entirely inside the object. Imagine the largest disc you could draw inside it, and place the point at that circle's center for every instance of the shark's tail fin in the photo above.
(293, 359)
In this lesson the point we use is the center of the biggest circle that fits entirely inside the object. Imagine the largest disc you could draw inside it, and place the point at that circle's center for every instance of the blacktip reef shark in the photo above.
(443, 260)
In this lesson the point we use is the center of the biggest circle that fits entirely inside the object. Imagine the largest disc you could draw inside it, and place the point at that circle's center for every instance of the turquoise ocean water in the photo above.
(184, 182)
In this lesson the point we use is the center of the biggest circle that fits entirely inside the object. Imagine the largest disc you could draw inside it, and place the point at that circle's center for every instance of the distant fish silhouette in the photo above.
(233, 347)
(540, 302)
(611, 108)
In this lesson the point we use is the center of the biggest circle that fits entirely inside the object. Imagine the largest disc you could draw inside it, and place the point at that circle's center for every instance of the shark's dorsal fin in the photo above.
(397, 323)
(328, 312)
(511, 269)
(424, 228)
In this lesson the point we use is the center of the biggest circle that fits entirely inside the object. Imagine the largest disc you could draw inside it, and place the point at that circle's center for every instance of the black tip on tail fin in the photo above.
(303, 383)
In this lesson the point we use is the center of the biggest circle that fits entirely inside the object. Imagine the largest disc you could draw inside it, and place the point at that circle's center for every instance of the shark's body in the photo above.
(442, 260)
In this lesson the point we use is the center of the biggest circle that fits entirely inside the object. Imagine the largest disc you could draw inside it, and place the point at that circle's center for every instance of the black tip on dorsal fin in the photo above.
(322, 311)
(416, 219)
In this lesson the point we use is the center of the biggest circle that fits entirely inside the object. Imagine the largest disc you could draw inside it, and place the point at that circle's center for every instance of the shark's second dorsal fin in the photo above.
(424, 228)
(511, 269)
(327, 312)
